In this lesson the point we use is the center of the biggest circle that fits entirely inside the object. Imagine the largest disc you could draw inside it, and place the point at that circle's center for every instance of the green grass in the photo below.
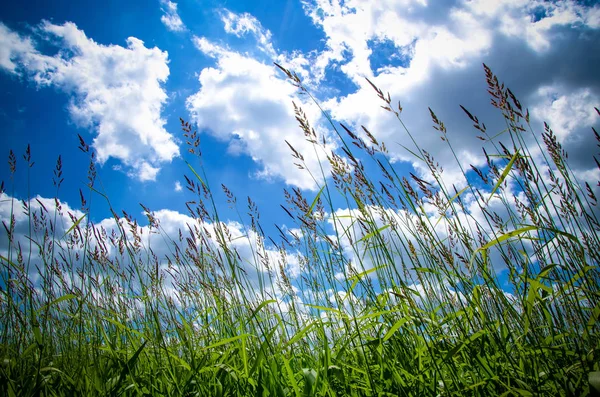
(419, 309)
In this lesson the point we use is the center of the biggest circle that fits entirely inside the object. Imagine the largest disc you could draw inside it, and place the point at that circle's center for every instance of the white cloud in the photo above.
(119, 91)
(533, 21)
(115, 90)
(241, 24)
(248, 104)
(12, 48)
(178, 187)
(144, 172)
(443, 46)
(209, 48)
(171, 18)
(565, 112)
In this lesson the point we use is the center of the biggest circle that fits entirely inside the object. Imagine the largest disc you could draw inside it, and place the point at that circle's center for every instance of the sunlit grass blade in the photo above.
(504, 174)
(74, 225)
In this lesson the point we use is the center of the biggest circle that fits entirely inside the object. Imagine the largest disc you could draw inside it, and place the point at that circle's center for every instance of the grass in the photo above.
(403, 298)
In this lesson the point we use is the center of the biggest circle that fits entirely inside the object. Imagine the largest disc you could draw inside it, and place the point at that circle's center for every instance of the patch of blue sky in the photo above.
(335, 82)
(538, 13)
(386, 54)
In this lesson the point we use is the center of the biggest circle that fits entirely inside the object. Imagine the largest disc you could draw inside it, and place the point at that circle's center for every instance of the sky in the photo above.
(121, 74)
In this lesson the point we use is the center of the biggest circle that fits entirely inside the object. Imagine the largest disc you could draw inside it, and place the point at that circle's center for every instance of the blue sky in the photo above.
(120, 74)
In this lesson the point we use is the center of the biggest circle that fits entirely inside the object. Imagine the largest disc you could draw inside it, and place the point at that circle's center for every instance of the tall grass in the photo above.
(398, 296)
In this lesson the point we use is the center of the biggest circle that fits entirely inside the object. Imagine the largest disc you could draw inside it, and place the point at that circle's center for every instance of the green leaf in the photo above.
(196, 174)
(465, 343)
(56, 301)
(128, 367)
(37, 333)
(263, 304)
(449, 203)
(324, 308)
(181, 361)
(369, 235)
(310, 378)
(547, 269)
(501, 239)
(290, 376)
(226, 341)
(522, 392)
(411, 152)
(355, 279)
(592, 322)
(594, 379)
(376, 314)
(395, 328)
(300, 334)
(77, 222)
(123, 327)
(312, 206)
(9, 262)
(504, 175)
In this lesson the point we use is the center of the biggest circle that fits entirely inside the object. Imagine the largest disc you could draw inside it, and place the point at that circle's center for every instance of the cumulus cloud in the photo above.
(248, 103)
(440, 49)
(171, 18)
(565, 112)
(117, 91)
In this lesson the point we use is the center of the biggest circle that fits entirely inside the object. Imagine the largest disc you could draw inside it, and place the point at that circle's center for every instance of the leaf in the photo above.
(465, 343)
(594, 379)
(127, 368)
(123, 327)
(263, 304)
(310, 378)
(196, 175)
(411, 152)
(395, 328)
(9, 262)
(376, 314)
(324, 308)
(265, 345)
(300, 334)
(504, 175)
(337, 372)
(355, 279)
(56, 301)
(37, 333)
(501, 239)
(547, 269)
(369, 235)
(368, 271)
(290, 376)
(181, 361)
(312, 206)
(74, 225)
(226, 341)
(591, 324)
(450, 202)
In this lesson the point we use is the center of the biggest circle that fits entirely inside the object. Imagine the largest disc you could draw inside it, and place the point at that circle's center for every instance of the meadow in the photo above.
(496, 293)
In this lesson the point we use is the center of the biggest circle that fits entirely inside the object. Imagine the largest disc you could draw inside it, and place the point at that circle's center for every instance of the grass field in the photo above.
(417, 309)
